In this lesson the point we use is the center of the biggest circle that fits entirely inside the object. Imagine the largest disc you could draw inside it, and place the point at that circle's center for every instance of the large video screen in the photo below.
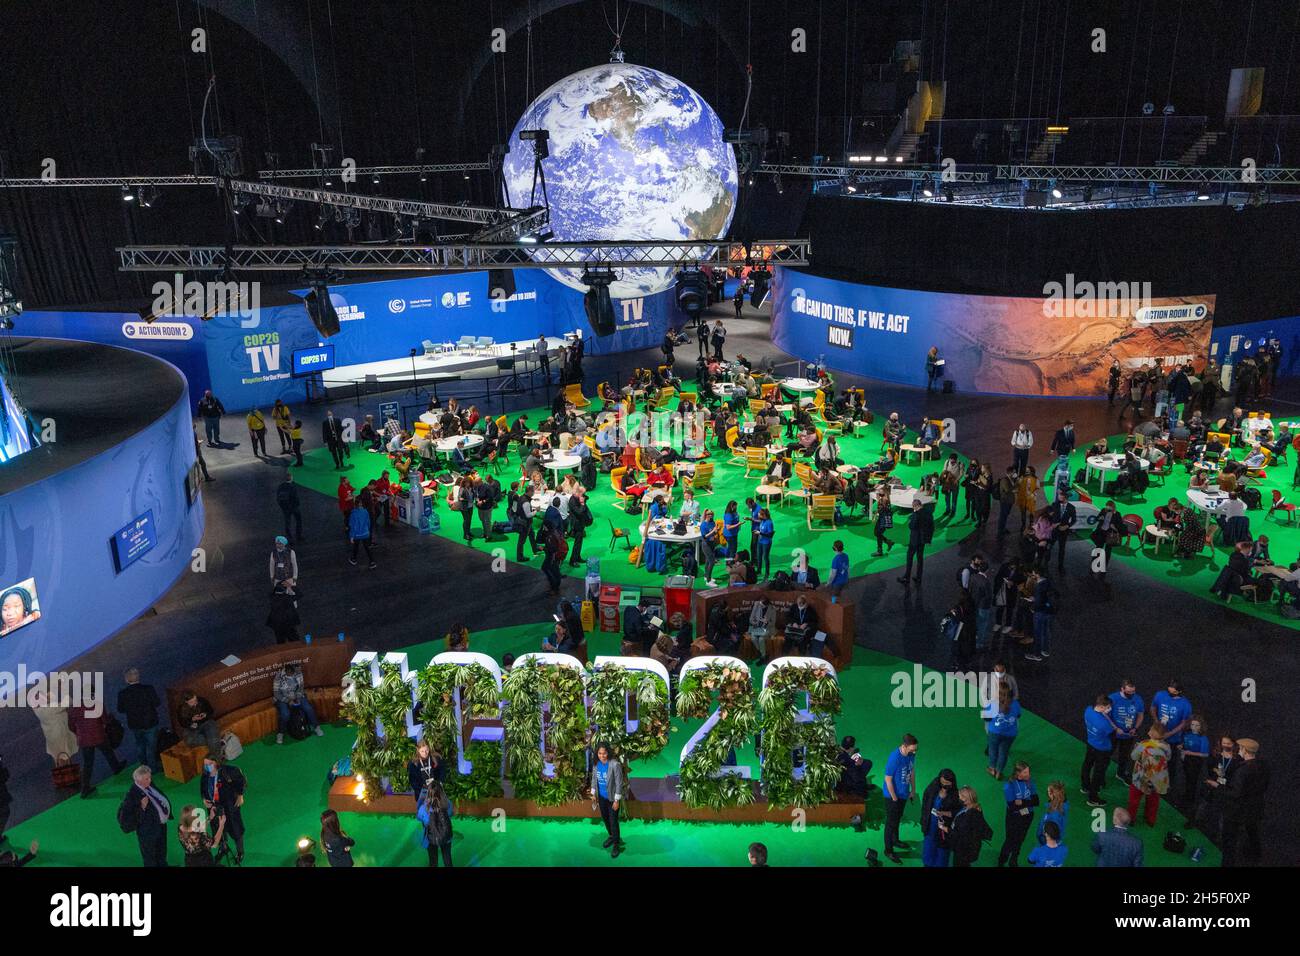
(19, 606)
(1061, 344)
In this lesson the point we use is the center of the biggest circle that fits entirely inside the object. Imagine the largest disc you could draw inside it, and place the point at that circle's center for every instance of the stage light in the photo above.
(127, 194)
(762, 277)
(927, 192)
(148, 196)
(321, 218)
(597, 302)
(1056, 192)
(898, 159)
(320, 308)
(882, 159)
(1203, 192)
(465, 176)
(329, 182)
(528, 239)
(692, 291)
(751, 181)
(281, 210)
(948, 194)
(852, 189)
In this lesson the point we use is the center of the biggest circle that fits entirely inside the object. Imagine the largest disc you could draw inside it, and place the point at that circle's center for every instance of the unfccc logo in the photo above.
(396, 305)
(451, 300)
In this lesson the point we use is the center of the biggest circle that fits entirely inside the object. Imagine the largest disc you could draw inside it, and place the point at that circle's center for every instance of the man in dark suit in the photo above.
(145, 812)
(1062, 513)
(920, 531)
(1063, 441)
(332, 435)
(1244, 805)
(1116, 846)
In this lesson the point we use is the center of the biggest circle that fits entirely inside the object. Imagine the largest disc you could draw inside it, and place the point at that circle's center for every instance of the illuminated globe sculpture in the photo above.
(634, 154)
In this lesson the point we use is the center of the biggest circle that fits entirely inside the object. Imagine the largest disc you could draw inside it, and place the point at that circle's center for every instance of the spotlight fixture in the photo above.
(321, 219)
(465, 176)
(692, 291)
(128, 194)
(926, 191)
(281, 210)
(148, 195)
(948, 194)
(1056, 192)
(597, 302)
(375, 179)
(1203, 192)
(852, 189)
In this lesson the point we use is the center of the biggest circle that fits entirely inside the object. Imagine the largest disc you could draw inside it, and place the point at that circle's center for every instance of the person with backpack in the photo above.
(519, 509)
(579, 519)
(210, 410)
(222, 786)
(485, 499)
(1044, 609)
(969, 830)
(290, 698)
(555, 548)
(980, 589)
(435, 813)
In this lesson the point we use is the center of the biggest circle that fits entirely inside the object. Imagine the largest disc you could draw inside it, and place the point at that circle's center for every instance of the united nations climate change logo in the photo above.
(396, 305)
(448, 300)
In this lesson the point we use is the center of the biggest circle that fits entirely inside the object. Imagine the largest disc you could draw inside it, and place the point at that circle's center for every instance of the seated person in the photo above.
(807, 444)
(1256, 459)
(660, 477)
(1166, 515)
(929, 435)
(1259, 551)
(800, 625)
(1213, 449)
(894, 430)
(457, 461)
(1180, 432)
(1235, 573)
(1290, 583)
(828, 454)
(370, 436)
(880, 467)
(1099, 447)
(803, 575)
(664, 651)
(402, 465)
(1227, 479)
(739, 572)
(855, 768)
(397, 444)
(778, 470)
(690, 507)
(828, 483)
(1200, 480)
(561, 641)
(1279, 444)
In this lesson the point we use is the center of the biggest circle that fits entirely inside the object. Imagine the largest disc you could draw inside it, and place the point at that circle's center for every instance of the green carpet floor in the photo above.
(1196, 575)
(730, 484)
(287, 792)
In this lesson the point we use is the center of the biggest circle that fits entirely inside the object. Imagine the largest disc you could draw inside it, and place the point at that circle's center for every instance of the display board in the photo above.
(1061, 344)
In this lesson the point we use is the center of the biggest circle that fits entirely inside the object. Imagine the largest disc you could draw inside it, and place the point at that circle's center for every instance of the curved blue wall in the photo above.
(58, 531)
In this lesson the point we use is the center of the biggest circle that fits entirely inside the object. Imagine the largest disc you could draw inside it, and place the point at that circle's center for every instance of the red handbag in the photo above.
(65, 773)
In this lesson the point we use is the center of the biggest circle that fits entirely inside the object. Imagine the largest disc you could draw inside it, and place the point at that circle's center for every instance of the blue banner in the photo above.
(1233, 342)
(311, 361)
(250, 359)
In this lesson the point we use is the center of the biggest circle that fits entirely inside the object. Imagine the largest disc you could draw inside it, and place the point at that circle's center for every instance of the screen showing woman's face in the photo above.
(11, 612)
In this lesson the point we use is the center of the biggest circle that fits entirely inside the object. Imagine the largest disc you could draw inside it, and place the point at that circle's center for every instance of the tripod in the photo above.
(415, 390)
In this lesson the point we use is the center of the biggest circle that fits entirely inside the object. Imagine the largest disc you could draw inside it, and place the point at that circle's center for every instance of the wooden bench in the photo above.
(182, 762)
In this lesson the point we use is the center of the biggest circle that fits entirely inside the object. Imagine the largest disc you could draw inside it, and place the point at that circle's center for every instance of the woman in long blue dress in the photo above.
(656, 552)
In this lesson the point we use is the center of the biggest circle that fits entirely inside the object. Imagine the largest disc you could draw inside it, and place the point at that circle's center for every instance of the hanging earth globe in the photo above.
(634, 154)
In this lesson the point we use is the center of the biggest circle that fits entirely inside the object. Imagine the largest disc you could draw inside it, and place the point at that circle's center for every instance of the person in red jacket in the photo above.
(347, 500)
(92, 734)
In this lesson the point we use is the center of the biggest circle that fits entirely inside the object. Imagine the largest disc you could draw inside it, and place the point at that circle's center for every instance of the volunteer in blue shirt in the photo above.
(1002, 730)
(608, 784)
(1173, 711)
(763, 557)
(1021, 796)
(731, 528)
(1100, 731)
(900, 770)
(1128, 712)
(708, 530)
(1053, 851)
(1196, 758)
(839, 571)
(1058, 809)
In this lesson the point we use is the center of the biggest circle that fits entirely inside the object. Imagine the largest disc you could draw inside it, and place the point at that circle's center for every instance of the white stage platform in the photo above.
(398, 370)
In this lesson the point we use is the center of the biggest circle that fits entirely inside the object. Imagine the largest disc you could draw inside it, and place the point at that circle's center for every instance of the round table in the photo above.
(661, 529)
(768, 492)
(799, 385)
(900, 497)
(848, 471)
(559, 463)
(919, 450)
(542, 502)
(1208, 502)
(1108, 464)
(1160, 535)
(445, 446)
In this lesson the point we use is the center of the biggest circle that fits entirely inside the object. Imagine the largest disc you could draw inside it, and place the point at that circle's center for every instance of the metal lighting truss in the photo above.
(1158, 174)
(371, 170)
(449, 257)
(868, 173)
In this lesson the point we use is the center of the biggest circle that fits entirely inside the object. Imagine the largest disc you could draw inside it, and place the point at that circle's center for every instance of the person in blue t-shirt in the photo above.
(839, 571)
(1053, 851)
(1058, 809)
(1021, 796)
(1173, 711)
(1100, 730)
(1196, 758)
(899, 771)
(1002, 730)
(1127, 709)
(731, 528)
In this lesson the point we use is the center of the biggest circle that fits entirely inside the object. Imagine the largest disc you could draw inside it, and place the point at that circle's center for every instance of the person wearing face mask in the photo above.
(1219, 770)
(1127, 713)
(1172, 711)
(222, 786)
(1196, 756)
(332, 436)
(1021, 796)
(939, 804)
(800, 625)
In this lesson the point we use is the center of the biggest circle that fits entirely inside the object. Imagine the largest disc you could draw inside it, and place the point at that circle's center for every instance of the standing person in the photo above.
(731, 528)
(543, 349)
(932, 368)
(717, 339)
(1005, 493)
(1243, 807)
(198, 455)
(738, 300)
(211, 410)
(332, 435)
(1022, 440)
(139, 703)
(284, 563)
(359, 535)
(286, 496)
(1051, 852)
(519, 508)
(282, 618)
(1043, 607)
(1112, 382)
(949, 483)
(1063, 516)
(435, 813)
(839, 572)
(1196, 758)
(1116, 846)
(920, 531)
(485, 499)
(222, 786)
(1064, 440)
(1150, 774)
(766, 530)
(667, 348)
(762, 621)
(554, 548)
(283, 424)
(884, 520)
(92, 735)
(336, 844)
(608, 787)
(145, 811)
(1058, 809)
(1002, 730)
(579, 519)
(1214, 793)
(969, 830)
(295, 436)
(1100, 730)
(257, 432)
(938, 805)
(1021, 796)
(1027, 491)
(900, 771)
(1172, 711)
(1127, 713)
